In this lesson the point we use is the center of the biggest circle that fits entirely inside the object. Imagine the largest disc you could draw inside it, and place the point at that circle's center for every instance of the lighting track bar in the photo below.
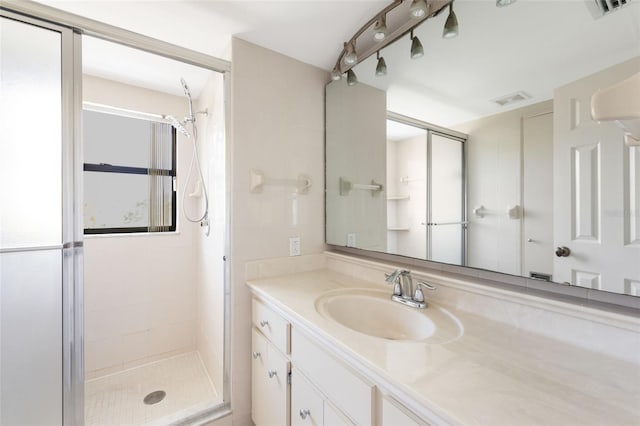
(434, 8)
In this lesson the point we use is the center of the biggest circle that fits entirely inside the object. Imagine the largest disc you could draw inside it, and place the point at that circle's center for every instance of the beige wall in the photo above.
(277, 127)
(494, 181)
(140, 292)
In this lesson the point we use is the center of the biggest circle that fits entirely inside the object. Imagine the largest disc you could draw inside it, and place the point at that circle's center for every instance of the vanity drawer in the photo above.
(273, 326)
(347, 391)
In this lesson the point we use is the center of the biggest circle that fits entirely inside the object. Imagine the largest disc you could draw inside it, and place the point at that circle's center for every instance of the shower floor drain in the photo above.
(154, 397)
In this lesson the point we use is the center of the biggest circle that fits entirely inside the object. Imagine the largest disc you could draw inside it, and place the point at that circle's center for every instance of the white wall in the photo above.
(140, 292)
(277, 127)
(494, 176)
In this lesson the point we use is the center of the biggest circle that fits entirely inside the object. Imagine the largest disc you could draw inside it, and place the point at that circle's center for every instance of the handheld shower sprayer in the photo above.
(195, 161)
(187, 93)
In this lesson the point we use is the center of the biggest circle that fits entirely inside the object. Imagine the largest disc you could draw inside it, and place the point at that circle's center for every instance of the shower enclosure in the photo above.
(426, 203)
(89, 322)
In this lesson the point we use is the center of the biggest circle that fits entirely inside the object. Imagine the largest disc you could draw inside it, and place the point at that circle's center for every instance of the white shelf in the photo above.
(396, 228)
(397, 197)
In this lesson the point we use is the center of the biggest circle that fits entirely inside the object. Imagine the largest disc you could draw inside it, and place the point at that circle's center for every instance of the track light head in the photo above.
(352, 80)
(351, 58)
(417, 51)
(418, 8)
(381, 68)
(380, 28)
(451, 25)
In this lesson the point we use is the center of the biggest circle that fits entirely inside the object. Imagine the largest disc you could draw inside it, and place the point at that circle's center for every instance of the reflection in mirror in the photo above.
(512, 169)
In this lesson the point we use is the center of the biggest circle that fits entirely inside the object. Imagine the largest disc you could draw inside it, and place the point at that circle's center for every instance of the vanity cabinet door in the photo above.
(393, 414)
(333, 417)
(258, 377)
(307, 408)
(269, 383)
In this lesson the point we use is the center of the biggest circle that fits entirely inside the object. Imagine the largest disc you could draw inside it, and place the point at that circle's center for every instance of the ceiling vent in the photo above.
(600, 8)
(512, 98)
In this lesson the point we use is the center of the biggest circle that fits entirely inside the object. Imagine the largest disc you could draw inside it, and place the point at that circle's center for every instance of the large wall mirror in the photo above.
(482, 153)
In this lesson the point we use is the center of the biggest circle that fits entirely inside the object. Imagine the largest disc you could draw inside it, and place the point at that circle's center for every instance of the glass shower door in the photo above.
(446, 186)
(34, 258)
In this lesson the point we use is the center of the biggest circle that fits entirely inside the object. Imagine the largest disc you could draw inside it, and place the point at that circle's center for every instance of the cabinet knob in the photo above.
(272, 374)
(264, 323)
(305, 413)
(256, 355)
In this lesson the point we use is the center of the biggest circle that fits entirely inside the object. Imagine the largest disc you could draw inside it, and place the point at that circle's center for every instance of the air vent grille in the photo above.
(512, 98)
(600, 8)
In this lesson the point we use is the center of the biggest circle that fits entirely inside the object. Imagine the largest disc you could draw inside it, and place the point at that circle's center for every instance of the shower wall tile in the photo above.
(140, 290)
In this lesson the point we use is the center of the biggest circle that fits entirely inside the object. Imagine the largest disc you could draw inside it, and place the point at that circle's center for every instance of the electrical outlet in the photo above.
(294, 246)
(351, 240)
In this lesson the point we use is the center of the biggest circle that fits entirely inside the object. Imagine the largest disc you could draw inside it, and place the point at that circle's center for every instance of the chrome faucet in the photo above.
(403, 291)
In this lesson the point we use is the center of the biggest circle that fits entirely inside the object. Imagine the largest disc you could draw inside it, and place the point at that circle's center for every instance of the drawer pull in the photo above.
(256, 355)
(264, 323)
(305, 413)
(272, 373)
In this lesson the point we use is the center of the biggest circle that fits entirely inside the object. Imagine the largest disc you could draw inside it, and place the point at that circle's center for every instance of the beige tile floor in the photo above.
(117, 399)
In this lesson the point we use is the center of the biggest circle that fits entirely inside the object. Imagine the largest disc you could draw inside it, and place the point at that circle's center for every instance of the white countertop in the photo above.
(494, 374)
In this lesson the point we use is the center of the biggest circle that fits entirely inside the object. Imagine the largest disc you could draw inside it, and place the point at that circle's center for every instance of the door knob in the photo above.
(563, 251)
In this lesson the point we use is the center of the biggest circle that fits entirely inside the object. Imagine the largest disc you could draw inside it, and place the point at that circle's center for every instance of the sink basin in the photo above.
(373, 313)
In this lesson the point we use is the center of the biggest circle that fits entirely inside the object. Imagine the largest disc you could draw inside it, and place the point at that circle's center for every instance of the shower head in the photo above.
(178, 125)
(187, 93)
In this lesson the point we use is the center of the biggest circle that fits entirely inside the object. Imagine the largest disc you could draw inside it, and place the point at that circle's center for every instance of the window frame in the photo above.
(110, 168)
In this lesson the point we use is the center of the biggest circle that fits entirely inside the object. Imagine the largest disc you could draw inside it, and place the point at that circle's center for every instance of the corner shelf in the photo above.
(397, 228)
(397, 197)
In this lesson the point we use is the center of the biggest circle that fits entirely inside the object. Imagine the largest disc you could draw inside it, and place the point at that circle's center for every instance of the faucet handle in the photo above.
(397, 287)
(419, 295)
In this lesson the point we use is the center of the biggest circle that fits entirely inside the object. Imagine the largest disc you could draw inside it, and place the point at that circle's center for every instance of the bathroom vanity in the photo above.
(330, 347)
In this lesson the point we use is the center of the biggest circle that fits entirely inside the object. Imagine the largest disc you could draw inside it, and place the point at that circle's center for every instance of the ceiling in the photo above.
(495, 45)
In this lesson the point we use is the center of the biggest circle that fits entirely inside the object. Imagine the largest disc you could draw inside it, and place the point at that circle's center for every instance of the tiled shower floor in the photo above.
(117, 399)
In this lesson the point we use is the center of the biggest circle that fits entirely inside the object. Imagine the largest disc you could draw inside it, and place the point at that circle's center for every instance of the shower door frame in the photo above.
(73, 27)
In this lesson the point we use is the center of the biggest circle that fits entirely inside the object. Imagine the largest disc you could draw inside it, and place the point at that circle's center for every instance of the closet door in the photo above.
(33, 259)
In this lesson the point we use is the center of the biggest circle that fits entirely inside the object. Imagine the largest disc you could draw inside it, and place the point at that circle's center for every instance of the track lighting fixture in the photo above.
(418, 8)
(380, 28)
(381, 68)
(351, 58)
(417, 51)
(503, 3)
(403, 23)
(451, 25)
(352, 80)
